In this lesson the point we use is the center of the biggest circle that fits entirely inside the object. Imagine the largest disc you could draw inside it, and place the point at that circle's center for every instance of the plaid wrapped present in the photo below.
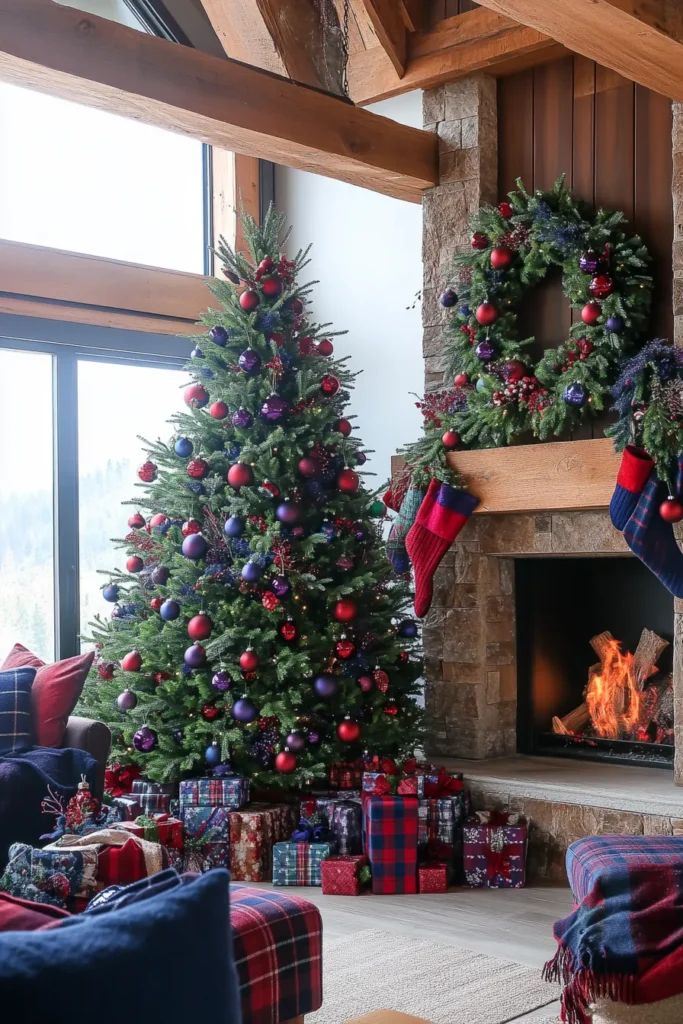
(344, 875)
(154, 796)
(206, 837)
(391, 839)
(253, 833)
(433, 877)
(157, 828)
(61, 878)
(494, 849)
(129, 807)
(200, 855)
(230, 791)
(443, 783)
(277, 942)
(346, 826)
(346, 774)
(299, 863)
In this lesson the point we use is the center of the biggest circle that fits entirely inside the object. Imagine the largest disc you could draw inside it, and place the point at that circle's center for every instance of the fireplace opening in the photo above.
(594, 660)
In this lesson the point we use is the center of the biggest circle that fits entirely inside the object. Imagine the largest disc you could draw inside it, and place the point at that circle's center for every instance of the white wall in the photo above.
(367, 256)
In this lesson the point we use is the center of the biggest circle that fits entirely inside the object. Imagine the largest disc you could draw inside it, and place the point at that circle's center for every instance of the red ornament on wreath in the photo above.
(285, 762)
(190, 526)
(307, 346)
(671, 510)
(288, 631)
(505, 210)
(270, 601)
(199, 627)
(513, 370)
(479, 240)
(348, 482)
(590, 314)
(134, 564)
(345, 648)
(501, 257)
(132, 662)
(381, 680)
(197, 468)
(219, 410)
(161, 677)
(348, 731)
(308, 467)
(325, 347)
(249, 660)
(366, 683)
(345, 610)
(450, 440)
(460, 380)
(391, 708)
(344, 427)
(210, 711)
(249, 300)
(486, 314)
(136, 521)
(271, 286)
(240, 475)
(601, 286)
(329, 385)
(196, 396)
(156, 603)
(147, 472)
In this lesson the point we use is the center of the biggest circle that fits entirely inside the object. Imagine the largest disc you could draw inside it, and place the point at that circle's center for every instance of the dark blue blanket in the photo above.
(24, 781)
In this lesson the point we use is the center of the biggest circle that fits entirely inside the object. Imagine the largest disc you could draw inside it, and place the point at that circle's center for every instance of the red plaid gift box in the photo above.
(433, 877)
(391, 842)
(341, 875)
(154, 796)
(157, 828)
(494, 846)
(253, 833)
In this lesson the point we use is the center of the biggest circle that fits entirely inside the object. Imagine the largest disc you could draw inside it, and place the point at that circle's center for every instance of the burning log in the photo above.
(649, 648)
(619, 704)
(572, 723)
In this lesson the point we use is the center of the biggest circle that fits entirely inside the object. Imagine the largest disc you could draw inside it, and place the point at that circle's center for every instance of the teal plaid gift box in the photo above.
(299, 863)
(231, 791)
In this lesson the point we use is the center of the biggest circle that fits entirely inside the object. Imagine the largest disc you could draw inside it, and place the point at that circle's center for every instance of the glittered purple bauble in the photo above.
(221, 681)
(574, 394)
(250, 361)
(194, 546)
(195, 656)
(145, 739)
(615, 324)
(234, 527)
(484, 351)
(288, 512)
(160, 576)
(169, 611)
(219, 335)
(326, 687)
(274, 409)
(296, 741)
(448, 298)
(359, 532)
(589, 261)
(251, 571)
(126, 701)
(280, 586)
(242, 419)
(313, 738)
(244, 710)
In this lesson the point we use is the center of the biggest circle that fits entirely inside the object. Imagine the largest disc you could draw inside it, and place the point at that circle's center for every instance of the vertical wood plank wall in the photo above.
(440, 9)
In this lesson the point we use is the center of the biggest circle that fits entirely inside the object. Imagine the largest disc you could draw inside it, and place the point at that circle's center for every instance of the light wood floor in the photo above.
(513, 924)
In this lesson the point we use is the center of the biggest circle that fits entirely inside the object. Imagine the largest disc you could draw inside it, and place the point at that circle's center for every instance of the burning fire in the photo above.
(612, 694)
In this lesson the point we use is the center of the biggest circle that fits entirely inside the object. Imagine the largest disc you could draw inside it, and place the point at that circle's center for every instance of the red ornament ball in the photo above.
(348, 731)
(134, 564)
(285, 762)
(240, 475)
(132, 662)
(513, 370)
(391, 708)
(249, 660)
(366, 683)
(297, 306)
(249, 300)
(345, 648)
(381, 680)
(501, 257)
(601, 286)
(288, 631)
(486, 314)
(308, 467)
(271, 286)
(450, 440)
(348, 482)
(270, 601)
(329, 385)
(197, 468)
(505, 210)
(591, 312)
(158, 519)
(460, 380)
(210, 711)
(199, 627)
(479, 240)
(307, 346)
(147, 472)
(136, 522)
(671, 510)
(196, 396)
(190, 526)
(325, 347)
(345, 610)
(156, 603)
(161, 677)
(219, 410)
(344, 427)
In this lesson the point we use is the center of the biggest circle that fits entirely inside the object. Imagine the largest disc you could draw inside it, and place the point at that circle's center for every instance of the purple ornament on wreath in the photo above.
(195, 656)
(126, 701)
(615, 324)
(288, 512)
(194, 546)
(244, 711)
(485, 351)
(160, 576)
(219, 335)
(274, 409)
(250, 361)
(326, 687)
(313, 738)
(296, 741)
(242, 419)
(574, 394)
(251, 571)
(145, 739)
(448, 298)
(221, 681)
(589, 261)
(169, 611)
(234, 527)
(280, 586)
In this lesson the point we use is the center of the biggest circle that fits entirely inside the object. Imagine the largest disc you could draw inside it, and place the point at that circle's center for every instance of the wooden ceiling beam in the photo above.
(87, 59)
(414, 14)
(478, 40)
(640, 39)
(387, 20)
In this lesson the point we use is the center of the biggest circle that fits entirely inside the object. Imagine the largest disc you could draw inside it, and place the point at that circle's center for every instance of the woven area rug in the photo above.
(375, 970)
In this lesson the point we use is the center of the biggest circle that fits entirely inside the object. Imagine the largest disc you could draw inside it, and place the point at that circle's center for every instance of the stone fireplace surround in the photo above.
(469, 633)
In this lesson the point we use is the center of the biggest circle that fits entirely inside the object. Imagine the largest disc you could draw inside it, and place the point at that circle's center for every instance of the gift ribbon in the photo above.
(498, 863)
(444, 786)
(382, 786)
(310, 832)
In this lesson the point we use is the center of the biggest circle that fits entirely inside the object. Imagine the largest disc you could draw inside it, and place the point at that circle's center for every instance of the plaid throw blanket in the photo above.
(623, 942)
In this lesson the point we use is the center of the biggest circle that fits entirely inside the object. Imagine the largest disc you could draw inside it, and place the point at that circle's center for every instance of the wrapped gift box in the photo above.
(157, 828)
(154, 797)
(121, 865)
(391, 826)
(382, 784)
(231, 791)
(129, 807)
(62, 878)
(443, 783)
(346, 826)
(433, 877)
(341, 875)
(494, 850)
(253, 833)
(205, 856)
(299, 863)
(346, 774)
(206, 837)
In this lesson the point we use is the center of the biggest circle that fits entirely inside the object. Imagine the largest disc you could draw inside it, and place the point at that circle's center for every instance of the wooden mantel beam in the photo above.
(640, 39)
(90, 60)
(478, 40)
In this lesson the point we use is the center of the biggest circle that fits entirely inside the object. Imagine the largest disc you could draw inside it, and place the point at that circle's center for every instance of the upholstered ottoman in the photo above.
(277, 941)
(589, 859)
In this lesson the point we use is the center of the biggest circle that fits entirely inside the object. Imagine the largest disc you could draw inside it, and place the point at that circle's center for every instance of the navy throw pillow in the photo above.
(169, 958)
(16, 731)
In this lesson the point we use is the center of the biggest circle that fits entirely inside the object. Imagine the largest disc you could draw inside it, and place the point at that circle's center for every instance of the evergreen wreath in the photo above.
(496, 395)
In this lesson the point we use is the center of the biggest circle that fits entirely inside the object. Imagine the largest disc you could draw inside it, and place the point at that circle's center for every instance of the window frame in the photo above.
(68, 344)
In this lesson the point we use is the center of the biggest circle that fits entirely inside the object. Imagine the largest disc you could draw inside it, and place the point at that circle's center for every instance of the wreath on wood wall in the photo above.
(495, 395)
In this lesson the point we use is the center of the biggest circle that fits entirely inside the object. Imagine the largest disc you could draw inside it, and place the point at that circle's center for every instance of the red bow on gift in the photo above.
(381, 786)
(497, 863)
(118, 780)
(496, 819)
(445, 785)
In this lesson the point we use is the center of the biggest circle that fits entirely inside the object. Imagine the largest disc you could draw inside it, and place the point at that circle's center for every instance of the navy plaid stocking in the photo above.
(652, 539)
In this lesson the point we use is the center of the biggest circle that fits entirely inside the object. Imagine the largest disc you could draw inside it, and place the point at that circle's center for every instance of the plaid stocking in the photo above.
(396, 544)
(652, 539)
(636, 466)
(442, 515)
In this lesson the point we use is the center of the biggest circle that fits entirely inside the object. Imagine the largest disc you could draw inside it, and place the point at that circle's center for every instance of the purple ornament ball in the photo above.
(574, 394)
(280, 586)
(296, 741)
(244, 710)
(219, 335)
(251, 571)
(615, 324)
(589, 261)
(448, 298)
(145, 739)
(274, 409)
(169, 611)
(242, 419)
(234, 527)
(160, 576)
(212, 755)
(250, 361)
(326, 687)
(221, 681)
(194, 546)
(484, 351)
(288, 512)
(313, 738)
(126, 701)
(195, 656)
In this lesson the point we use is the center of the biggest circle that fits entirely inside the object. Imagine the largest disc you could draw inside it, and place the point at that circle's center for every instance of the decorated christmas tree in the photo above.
(257, 624)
